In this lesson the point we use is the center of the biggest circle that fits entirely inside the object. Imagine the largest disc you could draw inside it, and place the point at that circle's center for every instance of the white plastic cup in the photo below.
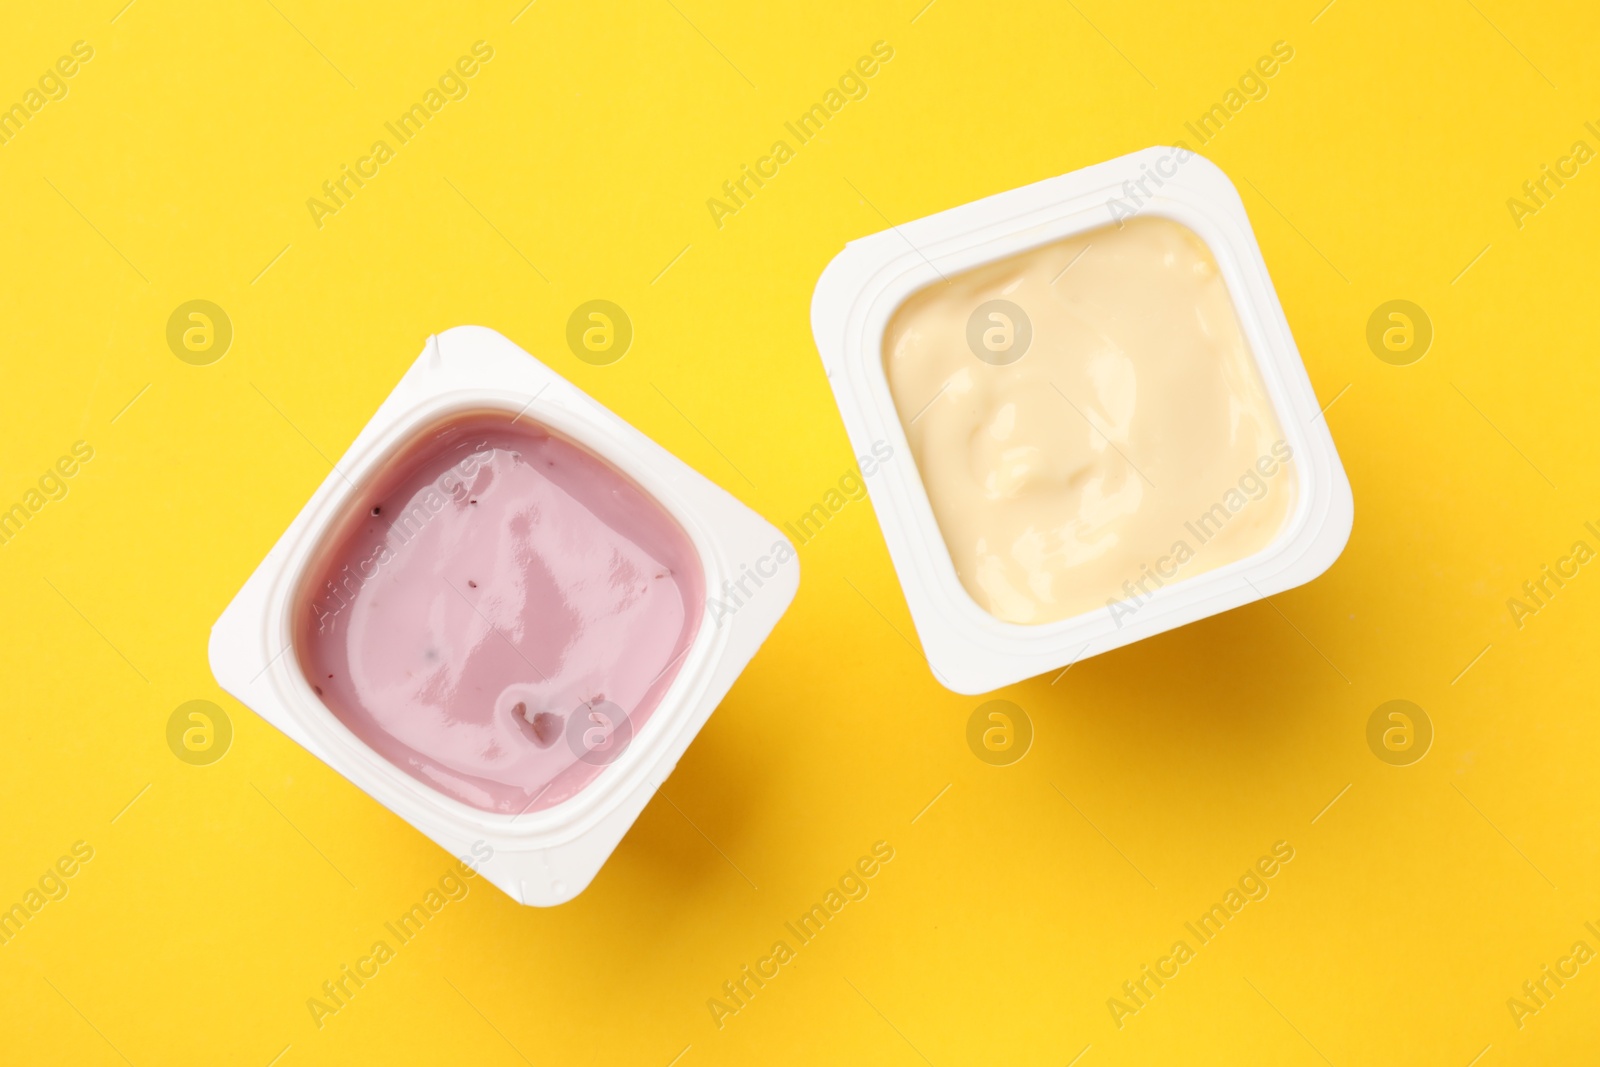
(542, 857)
(970, 650)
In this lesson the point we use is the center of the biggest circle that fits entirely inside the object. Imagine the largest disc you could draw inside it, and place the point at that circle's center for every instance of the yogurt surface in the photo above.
(500, 614)
(1088, 421)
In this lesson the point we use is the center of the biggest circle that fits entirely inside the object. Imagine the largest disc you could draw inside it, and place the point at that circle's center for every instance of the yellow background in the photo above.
(1377, 168)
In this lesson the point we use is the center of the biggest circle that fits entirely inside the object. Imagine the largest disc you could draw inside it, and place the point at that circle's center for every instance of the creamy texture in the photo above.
(1129, 445)
(500, 613)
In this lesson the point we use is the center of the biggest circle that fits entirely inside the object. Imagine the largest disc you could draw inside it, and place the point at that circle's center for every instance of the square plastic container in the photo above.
(547, 856)
(970, 650)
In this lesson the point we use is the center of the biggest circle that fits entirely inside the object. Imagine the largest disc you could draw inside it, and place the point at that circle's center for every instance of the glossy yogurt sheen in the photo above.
(1089, 422)
(500, 613)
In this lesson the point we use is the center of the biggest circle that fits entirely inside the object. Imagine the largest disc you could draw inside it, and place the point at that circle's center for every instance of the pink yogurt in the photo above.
(500, 613)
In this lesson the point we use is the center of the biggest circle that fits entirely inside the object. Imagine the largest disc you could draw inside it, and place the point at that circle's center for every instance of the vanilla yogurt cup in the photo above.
(1101, 426)
(493, 615)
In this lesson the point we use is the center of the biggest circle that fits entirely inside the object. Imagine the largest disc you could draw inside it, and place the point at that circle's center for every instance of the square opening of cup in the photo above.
(1088, 421)
(498, 611)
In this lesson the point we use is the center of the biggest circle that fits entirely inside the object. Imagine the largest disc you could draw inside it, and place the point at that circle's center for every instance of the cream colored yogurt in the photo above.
(1088, 421)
